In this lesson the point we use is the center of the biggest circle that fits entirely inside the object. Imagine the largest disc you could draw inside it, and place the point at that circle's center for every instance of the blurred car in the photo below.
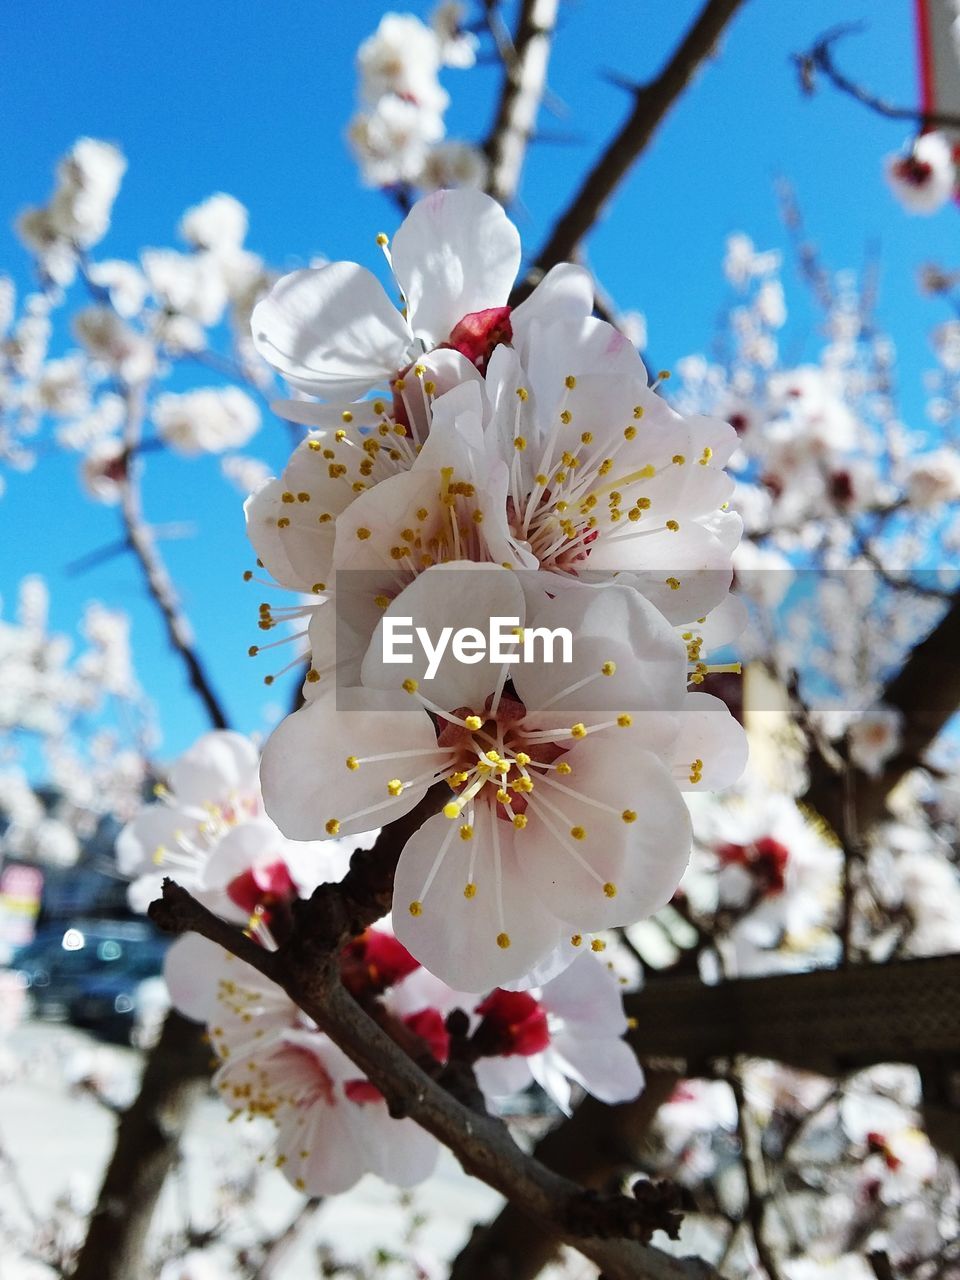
(91, 974)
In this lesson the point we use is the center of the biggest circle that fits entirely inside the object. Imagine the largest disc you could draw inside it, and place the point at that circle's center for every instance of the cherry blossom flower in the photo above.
(924, 179)
(550, 773)
(571, 1029)
(874, 737)
(332, 1124)
(209, 420)
(219, 223)
(933, 478)
(333, 332)
(208, 829)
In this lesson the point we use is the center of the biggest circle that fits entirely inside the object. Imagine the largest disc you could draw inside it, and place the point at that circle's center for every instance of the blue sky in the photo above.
(253, 99)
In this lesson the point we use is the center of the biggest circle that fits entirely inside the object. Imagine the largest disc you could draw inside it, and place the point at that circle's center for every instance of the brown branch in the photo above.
(158, 580)
(525, 77)
(146, 1149)
(820, 59)
(926, 691)
(605, 1229)
(751, 1158)
(596, 1147)
(653, 102)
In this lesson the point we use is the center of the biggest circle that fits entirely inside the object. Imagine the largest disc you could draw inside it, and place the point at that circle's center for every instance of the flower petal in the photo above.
(331, 331)
(308, 788)
(457, 252)
(454, 936)
(641, 860)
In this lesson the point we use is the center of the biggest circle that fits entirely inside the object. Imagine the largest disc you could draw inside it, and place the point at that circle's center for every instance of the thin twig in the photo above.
(158, 580)
(653, 101)
(758, 1198)
(524, 81)
(820, 59)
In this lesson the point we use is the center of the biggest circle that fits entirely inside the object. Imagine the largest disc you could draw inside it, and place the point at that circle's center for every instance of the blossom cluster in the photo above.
(509, 463)
(207, 827)
(398, 135)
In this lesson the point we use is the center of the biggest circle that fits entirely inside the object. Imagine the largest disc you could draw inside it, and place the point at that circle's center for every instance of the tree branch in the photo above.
(820, 59)
(525, 77)
(605, 1229)
(926, 691)
(158, 581)
(653, 102)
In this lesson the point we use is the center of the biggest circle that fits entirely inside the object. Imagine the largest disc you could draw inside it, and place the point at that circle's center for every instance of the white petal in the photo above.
(456, 937)
(331, 331)
(643, 860)
(709, 733)
(215, 768)
(457, 252)
(462, 594)
(588, 997)
(607, 1069)
(609, 623)
(565, 293)
(192, 969)
(309, 790)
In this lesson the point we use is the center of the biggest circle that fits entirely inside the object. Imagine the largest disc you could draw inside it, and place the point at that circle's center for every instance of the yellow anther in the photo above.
(451, 810)
(318, 588)
(663, 375)
(253, 651)
(673, 583)
(415, 908)
(586, 437)
(381, 601)
(409, 686)
(570, 382)
(394, 786)
(419, 370)
(638, 411)
(522, 759)
(313, 675)
(625, 720)
(503, 941)
(576, 940)
(608, 668)
(522, 393)
(429, 387)
(287, 497)
(578, 833)
(578, 730)
(678, 459)
(629, 815)
(673, 526)
(706, 456)
(247, 575)
(519, 444)
(466, 831)
(382, 239)
(610, 890)
(566, 417)
(598, 945)
(352, 762)
(564, 769)
(470, 890)
(629, 433)
(332, 827)
(473, 723)
(283, 522)
(520, 821)
(422, 513)
(504, 797)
